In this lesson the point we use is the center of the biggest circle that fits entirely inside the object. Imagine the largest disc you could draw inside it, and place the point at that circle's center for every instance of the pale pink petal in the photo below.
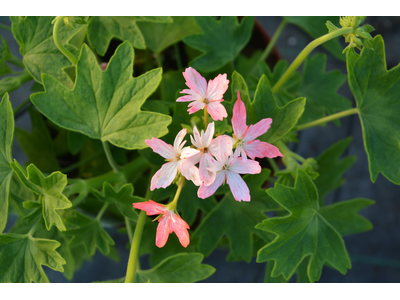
(180, 227)
(188, 152)
(239, 118)
(163, 230)
(196, 139)
(205, 175)
(261, 149)
(150, 207)
(164, 176)
(208, 135)
(217, 111)
(190, 161)
(214, 146)
(178, 140)
(216, 88)
(206, 191)
(162, 148)
(258, 129)
(195, 81)
(225, 151)
(238, 187)
(192, 96)
(248, 167)
(193, 175)
(195, 106)
(215, 165)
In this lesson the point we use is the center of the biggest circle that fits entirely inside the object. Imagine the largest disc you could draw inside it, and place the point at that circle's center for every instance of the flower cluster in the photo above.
(217, 162)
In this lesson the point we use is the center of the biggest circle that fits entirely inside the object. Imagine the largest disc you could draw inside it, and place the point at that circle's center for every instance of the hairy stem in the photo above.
(339, 115)
(64, 50)
(306, 51)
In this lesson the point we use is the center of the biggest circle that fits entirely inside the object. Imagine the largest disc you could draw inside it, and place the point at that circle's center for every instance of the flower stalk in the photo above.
(64, 50)
(338, 115)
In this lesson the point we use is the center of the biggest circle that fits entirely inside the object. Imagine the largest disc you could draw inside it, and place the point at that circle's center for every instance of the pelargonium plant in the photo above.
(162, 128)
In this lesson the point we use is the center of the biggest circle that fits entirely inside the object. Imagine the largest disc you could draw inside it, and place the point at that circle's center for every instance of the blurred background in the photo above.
(375, 254)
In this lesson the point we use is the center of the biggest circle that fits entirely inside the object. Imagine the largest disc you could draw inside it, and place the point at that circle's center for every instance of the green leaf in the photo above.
(179, 268)
(305, 231)
(331, 168)
(22, 258)
(90, 233)
(123, 199)
(102, 29)
(38, 145)
(320, 89)
(264, 106)
(105, 105)
(41, 55)
(221, 41)
(5, 55)
(376, 91)
(344, 218)
(315, 27)
(49, 190)
(159, 36)
(6, 140)
(288, 175)
(236, 220)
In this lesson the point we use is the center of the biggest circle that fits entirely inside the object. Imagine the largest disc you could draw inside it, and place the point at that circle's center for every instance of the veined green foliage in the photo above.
(105, 105)
(221, 41)
(6, 139)
(102, 29)
(376, 91)
(264, 106)
(22, 258)
(41, 55)
(49, 190)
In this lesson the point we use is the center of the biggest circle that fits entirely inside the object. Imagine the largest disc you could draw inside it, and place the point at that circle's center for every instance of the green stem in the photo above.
(306, 51)
(64, 50)
(137, 236)
(128, 229)
(4, 26)
(110, 158)
(34, 228)
(287, 152)
(273, 164)
(177, 56)
(205, 117)
(102, 211)
(174, 202)
(13, 83)
(339, 115)
(16, 62)
(270, 45)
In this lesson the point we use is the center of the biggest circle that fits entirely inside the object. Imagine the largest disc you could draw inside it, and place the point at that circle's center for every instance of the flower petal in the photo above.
(178, 140)
(239, 118)
(208, 135)
(164, 176)
(216, 88)
(238, 187)
(163, 230)
(162, 148)
(206, 191)
(248, 167)
(188, 152)
(261, 149)
(195, 81)
(180, 227)
(217, 111)
(193, 175)
(192, 96)
(195, 106)
(150, 207)
(190, 161)
(205, 175)
(258, 129)
(214, 146)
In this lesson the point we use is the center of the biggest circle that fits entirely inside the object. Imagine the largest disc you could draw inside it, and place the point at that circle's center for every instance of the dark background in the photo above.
(375, 254)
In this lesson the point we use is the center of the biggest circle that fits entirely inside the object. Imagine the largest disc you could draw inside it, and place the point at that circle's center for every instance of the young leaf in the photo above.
(159, 36)
(183, 268)
(102, 29)
(320, 89)
(38, 145)
(265, 106)
(6, 139)
(376, 91)
(221, 41)
(41, 55)
(123, 199)
(331, 168)
(90, 233)
(237, 220)
(302, 233)
(22, 257)
(105, 105)
(49, 190)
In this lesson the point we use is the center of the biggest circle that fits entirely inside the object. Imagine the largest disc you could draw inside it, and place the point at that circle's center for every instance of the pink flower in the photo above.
(175, 155)
(228, 167)
(207, 146)
(204, 95)
(244, 136)
(168, 223)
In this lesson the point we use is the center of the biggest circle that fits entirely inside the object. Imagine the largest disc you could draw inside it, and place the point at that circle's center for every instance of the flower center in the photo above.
(225, 167)
(205, 150)
(239, 143)
(206, 101)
